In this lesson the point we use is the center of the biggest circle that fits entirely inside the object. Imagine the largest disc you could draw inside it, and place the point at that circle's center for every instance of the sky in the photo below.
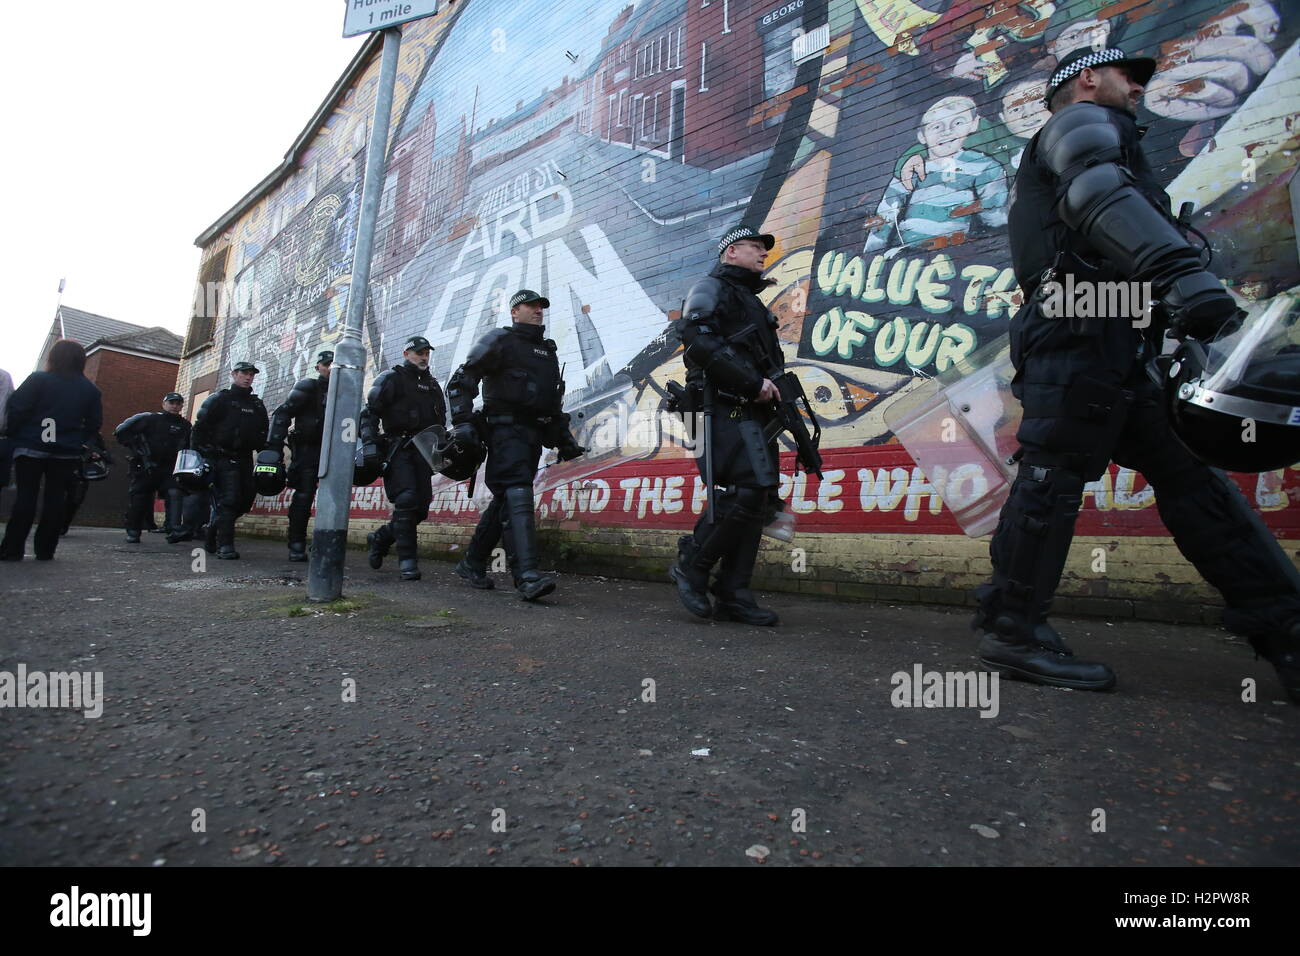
(131, 129)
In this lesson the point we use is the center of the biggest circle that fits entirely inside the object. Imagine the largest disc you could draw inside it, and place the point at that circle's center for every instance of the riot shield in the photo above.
(960, 428)
(427, 444)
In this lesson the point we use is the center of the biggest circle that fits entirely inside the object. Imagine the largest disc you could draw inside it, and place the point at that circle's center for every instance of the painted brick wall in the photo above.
(596, 151)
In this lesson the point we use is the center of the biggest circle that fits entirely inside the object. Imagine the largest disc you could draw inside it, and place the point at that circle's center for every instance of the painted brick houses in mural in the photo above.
(595, 150)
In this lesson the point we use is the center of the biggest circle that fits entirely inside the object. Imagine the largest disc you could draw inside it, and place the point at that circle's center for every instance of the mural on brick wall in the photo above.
(596, 150)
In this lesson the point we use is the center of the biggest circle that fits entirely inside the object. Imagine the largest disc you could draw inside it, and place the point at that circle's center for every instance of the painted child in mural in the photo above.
(1021, 115)
(958, 186)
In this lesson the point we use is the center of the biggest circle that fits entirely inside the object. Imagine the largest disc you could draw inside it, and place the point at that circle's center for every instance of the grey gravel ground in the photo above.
(490, 731)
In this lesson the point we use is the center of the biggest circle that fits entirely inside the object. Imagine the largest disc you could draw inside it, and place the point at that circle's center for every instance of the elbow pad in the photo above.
(1103, 205)
(461, 391)
(122, 431)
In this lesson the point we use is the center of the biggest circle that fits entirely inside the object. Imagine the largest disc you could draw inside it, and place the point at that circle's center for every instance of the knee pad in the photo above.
(1030, 546)
(407, 500)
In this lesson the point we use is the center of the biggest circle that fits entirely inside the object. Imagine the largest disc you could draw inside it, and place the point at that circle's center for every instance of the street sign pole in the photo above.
(343, 403)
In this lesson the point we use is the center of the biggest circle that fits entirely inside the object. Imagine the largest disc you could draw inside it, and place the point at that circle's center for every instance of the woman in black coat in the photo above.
(51, 415)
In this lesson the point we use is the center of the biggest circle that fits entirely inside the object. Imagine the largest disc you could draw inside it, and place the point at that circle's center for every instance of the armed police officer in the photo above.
(304, 408)
(152, 440)
(730, 344)
(230, 427)
(522, 397)
(1087, 208)
(405, 399)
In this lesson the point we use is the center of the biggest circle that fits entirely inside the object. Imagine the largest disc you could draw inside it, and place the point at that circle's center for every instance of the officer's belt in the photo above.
(519, 419)
(729, 398)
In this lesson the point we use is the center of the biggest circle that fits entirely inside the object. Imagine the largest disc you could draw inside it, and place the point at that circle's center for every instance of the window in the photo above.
(704, 55)
(202, 325)
(654, 117)
(679, 47)
(389, 195)
(622, 107)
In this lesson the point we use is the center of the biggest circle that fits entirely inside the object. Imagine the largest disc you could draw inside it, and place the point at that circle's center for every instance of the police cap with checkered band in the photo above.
(1141, 67)
(740, 234)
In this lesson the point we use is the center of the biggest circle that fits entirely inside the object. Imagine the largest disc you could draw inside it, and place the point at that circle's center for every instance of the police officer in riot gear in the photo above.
(405, 400)
(1086, 207)
(522, 398)
(729, 336)
(230, 427)
(152, 439)
(305, 409)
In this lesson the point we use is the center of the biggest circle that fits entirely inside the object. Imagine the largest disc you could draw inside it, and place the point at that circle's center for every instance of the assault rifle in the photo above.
(790, 406)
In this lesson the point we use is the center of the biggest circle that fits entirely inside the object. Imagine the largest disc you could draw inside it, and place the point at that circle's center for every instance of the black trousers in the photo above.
(487, 535)
(408, 482)
(1088, 402)
(746, 469)
(303, 480)
(196, 511)
(513, 453)
(145, 484)
(233, 492)
(56, 474)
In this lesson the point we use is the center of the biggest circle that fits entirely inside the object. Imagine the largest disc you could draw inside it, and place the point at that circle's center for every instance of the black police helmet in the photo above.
(462, 459)
(268, 473)
(362, 473)
(1250, 427)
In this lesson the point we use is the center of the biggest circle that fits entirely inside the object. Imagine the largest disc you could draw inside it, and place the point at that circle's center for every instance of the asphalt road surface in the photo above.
(429, 723)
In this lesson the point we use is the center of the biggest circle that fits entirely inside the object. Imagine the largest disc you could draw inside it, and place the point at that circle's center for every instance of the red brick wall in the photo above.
(130, 384)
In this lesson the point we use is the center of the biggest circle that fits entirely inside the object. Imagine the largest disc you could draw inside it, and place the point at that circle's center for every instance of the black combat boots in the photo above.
(1042, 659)
(410, 568)
(379, 542)
(521, 544)
(474, 574)
(692, 581)
(473, 567)
(696, 559)
(735, 602)
(297, 550)
(1283, 652)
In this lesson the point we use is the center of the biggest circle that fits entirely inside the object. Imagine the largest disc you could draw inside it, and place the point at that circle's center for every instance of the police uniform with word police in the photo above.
(522, 398)
(403, 401)
(228, 430)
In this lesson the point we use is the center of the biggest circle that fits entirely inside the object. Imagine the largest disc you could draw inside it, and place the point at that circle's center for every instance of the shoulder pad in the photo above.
(703, 298)
(550, 344)
(490, 339)
(1081, 135)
